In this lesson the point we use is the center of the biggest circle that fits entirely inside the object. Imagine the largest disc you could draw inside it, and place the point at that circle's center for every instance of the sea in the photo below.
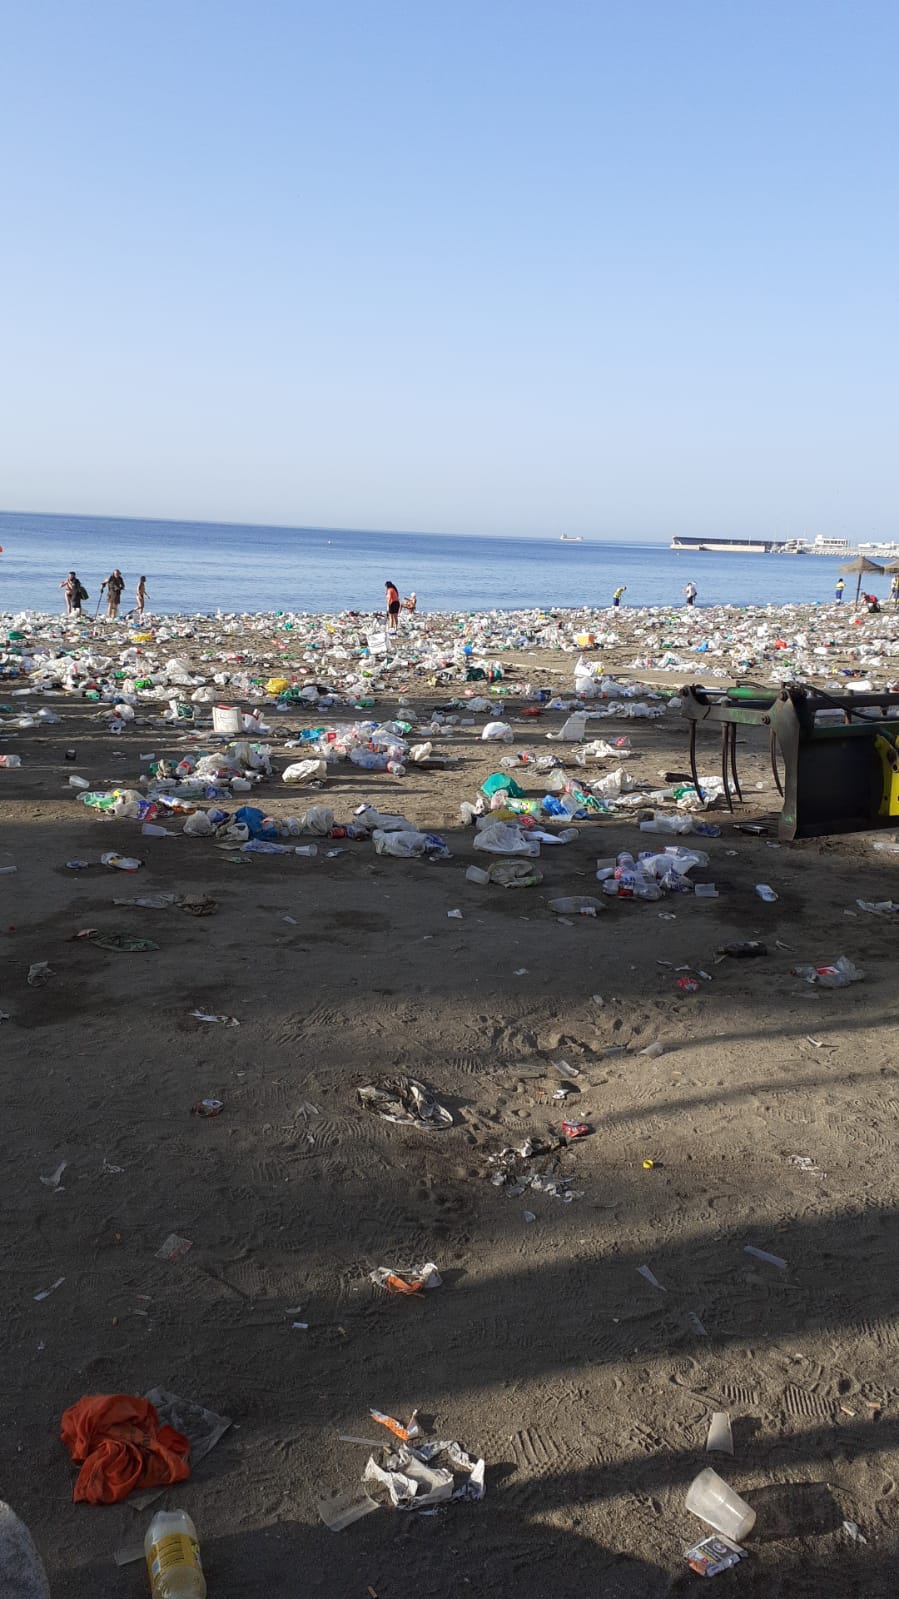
(207, 567)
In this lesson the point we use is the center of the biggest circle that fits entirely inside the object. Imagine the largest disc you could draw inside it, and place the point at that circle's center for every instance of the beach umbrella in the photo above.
(860, 566)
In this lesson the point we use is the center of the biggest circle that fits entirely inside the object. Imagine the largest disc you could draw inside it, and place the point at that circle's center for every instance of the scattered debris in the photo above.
(403, 1099)
(207, 1107)
(762, 1254)
(400, 1429)
(426, 1475)
(650, 1277)
(174, 1248)
(415, 1281)
(44, 1293)
(714, 1554)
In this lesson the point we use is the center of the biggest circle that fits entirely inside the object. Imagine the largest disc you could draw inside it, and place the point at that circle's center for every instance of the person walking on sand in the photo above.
(75, 592)
(691, 591)
(141, 597)
(393, 607)
(616, 597)
(838, 591)
(114, 585)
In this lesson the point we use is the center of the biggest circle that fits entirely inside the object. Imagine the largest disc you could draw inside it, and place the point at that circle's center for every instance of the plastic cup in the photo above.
(713, 1500)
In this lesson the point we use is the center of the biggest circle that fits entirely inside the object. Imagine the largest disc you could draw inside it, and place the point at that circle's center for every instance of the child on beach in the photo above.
(393, 606)
(616, 597)
(691, 592)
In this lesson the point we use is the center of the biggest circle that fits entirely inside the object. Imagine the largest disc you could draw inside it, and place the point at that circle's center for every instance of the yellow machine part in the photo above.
(889, 758)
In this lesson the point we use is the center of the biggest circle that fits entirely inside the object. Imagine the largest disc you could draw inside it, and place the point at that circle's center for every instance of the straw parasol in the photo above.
(860, 566)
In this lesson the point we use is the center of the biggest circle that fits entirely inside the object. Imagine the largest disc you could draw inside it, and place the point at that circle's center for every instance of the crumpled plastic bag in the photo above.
(514, 874)
(405, 1100)
(198, 825)
(498, 732)
(119, 1444)
(505, 838)
(407, 844)
(300, 772)
(318, 820)
(835, 974)
(416, 1478)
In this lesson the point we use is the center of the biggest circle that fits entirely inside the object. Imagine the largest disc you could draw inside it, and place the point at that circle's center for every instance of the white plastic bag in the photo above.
(304, 772)
(404, 844)
(498, 732)
(198, 825)
(318, 819)
(505, 838)
(572, 731)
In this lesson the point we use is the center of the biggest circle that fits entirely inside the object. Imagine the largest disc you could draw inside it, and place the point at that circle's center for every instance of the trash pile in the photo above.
(652, 875)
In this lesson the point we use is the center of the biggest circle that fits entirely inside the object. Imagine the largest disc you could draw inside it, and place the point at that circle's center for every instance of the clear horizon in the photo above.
(595, 271)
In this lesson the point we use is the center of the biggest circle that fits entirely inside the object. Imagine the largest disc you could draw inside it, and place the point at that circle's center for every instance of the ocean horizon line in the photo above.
(317, 527)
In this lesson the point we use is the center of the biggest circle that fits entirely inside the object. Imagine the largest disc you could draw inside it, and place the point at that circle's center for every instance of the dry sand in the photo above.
(588, 1391)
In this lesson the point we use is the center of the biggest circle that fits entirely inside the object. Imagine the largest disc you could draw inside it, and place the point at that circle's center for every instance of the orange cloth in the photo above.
(122, 1446)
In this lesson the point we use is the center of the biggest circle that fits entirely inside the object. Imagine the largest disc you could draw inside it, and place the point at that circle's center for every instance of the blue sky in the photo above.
(614, 269)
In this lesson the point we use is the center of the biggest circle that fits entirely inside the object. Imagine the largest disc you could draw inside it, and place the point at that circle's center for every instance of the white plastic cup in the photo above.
(713, 1500)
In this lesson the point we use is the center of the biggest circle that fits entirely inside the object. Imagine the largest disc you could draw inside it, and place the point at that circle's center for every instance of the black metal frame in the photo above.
(833, 773)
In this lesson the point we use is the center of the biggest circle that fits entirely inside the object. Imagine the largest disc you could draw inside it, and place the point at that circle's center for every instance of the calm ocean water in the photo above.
(204, 566)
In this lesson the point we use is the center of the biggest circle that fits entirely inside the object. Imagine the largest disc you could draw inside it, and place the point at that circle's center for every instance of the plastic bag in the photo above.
(302, 772)
(572, 731)
(499, 732)
(838, 974)
(505, 838)
(318, 819)
(198, 825)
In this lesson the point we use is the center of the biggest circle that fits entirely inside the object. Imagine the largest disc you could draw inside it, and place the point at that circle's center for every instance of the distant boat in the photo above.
(570, 538)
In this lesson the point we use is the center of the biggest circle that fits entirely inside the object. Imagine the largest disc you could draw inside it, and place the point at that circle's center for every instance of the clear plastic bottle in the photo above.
(10, 761)
(172, 1549)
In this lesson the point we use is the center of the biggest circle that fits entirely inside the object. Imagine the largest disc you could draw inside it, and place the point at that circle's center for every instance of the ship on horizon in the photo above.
(570, 538)
(839, 548)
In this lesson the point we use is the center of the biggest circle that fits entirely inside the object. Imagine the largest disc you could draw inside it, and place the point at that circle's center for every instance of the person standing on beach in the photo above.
(838, 591)
(75, 592)
(141, 597)
(616, 597)
(393, 606)
(115, 588)
(894, 588)
(691, 592)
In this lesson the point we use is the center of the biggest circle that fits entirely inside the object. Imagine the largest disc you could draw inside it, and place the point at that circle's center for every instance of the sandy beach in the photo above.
(767, 1119)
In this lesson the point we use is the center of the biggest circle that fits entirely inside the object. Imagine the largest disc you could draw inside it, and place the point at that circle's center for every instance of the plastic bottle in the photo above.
(172, 1549)
(10, 761)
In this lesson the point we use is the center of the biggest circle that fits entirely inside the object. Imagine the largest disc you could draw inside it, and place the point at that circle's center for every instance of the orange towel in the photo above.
(122, 1446)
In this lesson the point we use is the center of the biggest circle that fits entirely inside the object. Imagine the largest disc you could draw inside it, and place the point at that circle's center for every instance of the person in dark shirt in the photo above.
(114, 585)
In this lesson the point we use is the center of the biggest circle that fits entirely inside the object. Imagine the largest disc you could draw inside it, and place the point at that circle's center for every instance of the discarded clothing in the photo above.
(119, 1444)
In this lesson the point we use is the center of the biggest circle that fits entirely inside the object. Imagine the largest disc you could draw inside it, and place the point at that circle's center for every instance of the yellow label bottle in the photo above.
(173, 1557)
